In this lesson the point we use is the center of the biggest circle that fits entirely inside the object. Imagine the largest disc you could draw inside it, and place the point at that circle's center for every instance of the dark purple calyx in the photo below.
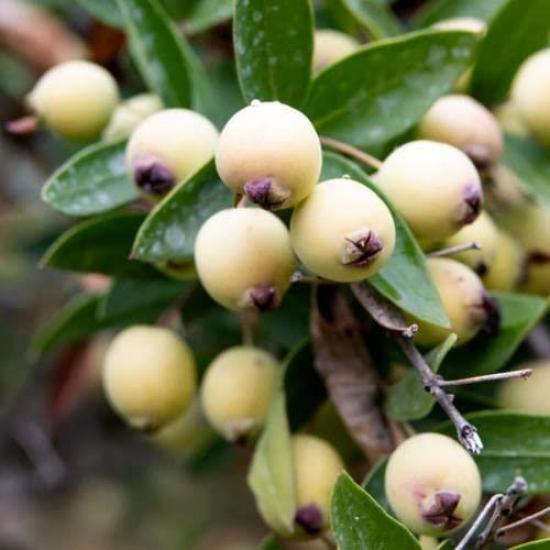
(153, 178)
(265, 193)
(361, 248)
(481, 268)
(489, 309)
(310, 519)
(263, 298)
(538, 257)
(441, 510)
(472, 202)
(479, 155)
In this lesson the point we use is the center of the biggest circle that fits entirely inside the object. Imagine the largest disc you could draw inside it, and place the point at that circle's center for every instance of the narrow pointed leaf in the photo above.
(449, 9)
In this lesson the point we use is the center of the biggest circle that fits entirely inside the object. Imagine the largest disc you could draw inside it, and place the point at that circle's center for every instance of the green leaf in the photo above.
(92, 181)
(271, 475)
(100, 245)
(531, 163)
(408, 400)
(404, 280)
(270, 543)
(169, 232)
(359, 523)
(158, 51)
(371, 15)
(516, 32)
(374, 484)
(484, 355)
(273, 49)
(104, 10)
(514, 444)
(447, 9)
(533, 545)
(208, 13)
(379, 92)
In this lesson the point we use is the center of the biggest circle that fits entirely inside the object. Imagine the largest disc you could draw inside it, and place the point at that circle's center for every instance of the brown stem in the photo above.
(240, 201)
(491, 503)
(351, 151)
(522, 521)
(249, 320)
(522, 373)
(454, 249)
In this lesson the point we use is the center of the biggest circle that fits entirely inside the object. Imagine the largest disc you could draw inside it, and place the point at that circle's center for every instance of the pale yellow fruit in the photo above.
(75, 99)
(432, 484)
(531, 94)
(167, 148)
(330, 46)
(465, 123)
(434, 185)
(149, 376)
(484, 233)
(270, 152)
(316, 467)
(237, 390)
(428, 543)
(244, 258)
(509, 118)
(529, 395)
(464, 299)
(507, 267)
(130, 113)
(504, 188)
(343, 231)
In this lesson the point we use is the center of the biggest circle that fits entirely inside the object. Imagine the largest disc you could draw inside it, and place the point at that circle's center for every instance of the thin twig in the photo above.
(540, 525)
(523, 373)
(299, 277)
(351, 151)
(479, 520)
(454, 249)
(22, 126)
(249, 320)
(240, 201)
(522, 521)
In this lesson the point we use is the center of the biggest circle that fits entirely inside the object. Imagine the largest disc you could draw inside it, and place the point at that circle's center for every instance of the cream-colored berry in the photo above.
(167, 148)
(434, 185)
(237, 389)
(484, 233)
(271, 153)
(465, 123)
(529, 395)
(75, 99)
(510, 120)
(149, 376)
(464, 299)
(330, 46)
(531, 94)
(316, 467)
(343, 231)
(432, 484)
(127, 116)
(244, 258)
(506, 270)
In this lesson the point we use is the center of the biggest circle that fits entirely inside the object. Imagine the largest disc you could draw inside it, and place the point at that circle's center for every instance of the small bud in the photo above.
(310, 519)
(472, 203)
(265, 193)
(264, 298)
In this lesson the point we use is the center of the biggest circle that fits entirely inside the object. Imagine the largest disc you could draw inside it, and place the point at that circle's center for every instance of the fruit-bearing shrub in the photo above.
(373, 210)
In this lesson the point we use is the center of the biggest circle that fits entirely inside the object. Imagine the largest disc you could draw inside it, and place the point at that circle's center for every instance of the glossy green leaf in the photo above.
(484, 355)
(533, 545)
(270, 542)
(92, 181)
(273, 49)
(514, 444)
(531, 163)
(359, 523)
(100, 245)
(382, 90)
(447, 9)
(408, 400)
(104, 10)
(516, 31)
(404, 280)
(370, 15)
(208, 13)
(158, 51)
(374, 484)
(271, 475)
(169, 232)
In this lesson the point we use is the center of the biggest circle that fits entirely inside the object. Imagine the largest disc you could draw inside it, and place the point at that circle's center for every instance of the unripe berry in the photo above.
(531, 94)
(466, 303)
(503, 188)
(130, 113)
(343, 231)
(434, 185)
(507, 267)
(75, 99)
(237, 390)
(316, 467)
(149, 376)
(461, 121)
(167, 148)
(510, 120)
(432, 484)
(482, 231)
(244, 258)
(428, 543)
(271, 153)
(331, 46)
(529, 395)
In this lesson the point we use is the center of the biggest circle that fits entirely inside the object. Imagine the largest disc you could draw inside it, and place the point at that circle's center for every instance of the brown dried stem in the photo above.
(522, 373)
(527, 519)
(350, 151)
(454, 249)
